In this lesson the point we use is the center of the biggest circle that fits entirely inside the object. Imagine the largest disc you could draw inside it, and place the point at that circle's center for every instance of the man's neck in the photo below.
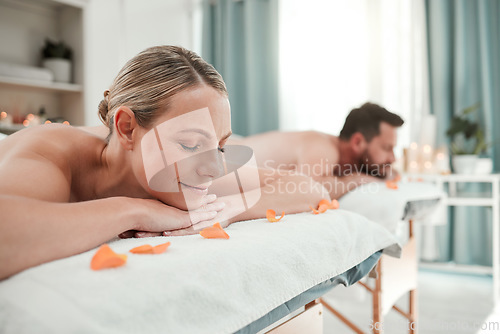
(346, 155)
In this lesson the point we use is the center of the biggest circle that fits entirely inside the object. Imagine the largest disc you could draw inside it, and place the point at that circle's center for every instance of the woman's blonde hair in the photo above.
(147, 82)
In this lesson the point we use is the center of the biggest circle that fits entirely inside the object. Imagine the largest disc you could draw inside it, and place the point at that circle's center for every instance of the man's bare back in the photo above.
(309, 152)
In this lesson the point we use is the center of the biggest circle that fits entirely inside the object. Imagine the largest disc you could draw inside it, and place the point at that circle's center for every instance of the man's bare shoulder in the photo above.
(315, 136)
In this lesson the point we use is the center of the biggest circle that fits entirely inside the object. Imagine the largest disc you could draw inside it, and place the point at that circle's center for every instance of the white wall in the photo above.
(119, 29)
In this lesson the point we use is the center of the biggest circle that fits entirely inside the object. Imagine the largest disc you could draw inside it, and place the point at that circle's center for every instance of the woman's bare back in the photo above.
(44, 162)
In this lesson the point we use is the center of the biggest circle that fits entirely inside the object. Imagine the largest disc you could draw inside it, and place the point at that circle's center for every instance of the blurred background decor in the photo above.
(56, 56)
(467, 140)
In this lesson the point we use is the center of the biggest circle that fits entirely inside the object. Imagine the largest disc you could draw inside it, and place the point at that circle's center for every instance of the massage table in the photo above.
(397, 210)
(246, 284)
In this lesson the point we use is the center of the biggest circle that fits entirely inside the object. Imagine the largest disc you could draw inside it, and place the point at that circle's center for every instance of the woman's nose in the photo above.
(211, 165)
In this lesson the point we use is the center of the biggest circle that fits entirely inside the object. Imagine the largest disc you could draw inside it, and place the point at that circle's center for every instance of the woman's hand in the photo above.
(160, 217)
(233, 206)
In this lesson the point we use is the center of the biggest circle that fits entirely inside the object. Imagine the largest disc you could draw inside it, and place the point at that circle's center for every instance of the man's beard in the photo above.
(366, 166)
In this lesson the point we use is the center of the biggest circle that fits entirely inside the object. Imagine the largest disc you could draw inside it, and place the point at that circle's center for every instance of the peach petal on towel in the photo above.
(331, 205)
(105, 257)
(144, 249)
(391, 185)
(148, 249)
(214, 232)
(161, 248)
(321, 209)
(271, 216)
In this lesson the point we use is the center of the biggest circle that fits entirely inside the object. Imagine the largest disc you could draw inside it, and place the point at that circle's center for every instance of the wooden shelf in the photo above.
(57, 87)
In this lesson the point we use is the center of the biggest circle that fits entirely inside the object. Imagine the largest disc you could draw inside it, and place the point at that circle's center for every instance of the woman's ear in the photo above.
(358, 143)
(125, 125)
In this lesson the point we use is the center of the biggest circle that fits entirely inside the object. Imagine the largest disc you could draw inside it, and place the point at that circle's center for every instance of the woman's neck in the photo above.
(114, 175)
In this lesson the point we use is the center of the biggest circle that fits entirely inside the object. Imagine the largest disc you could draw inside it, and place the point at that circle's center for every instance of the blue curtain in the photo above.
(240, 38)
(464, 65)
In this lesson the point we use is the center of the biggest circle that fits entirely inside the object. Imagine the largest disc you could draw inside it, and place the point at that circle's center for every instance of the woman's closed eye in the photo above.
(190, 148)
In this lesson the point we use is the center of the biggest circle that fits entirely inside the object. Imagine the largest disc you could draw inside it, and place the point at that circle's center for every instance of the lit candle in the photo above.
(427, 153)
(427, 159)
(442, 164)
(5, 118)
(412, 158)
(428, 167)
(413, 167)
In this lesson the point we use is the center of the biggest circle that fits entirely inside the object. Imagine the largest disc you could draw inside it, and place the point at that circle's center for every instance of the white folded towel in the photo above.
(386, 206)
(197, 286)
(25, 72)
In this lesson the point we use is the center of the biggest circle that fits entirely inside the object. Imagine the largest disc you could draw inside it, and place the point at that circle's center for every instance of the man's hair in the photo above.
(366, 120)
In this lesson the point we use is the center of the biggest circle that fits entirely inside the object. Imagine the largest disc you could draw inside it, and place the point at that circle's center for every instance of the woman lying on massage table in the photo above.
(64, 191)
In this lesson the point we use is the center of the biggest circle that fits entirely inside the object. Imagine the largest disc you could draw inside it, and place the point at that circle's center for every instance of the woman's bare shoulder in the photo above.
(53, 136)
(39, 162)
(54, 142)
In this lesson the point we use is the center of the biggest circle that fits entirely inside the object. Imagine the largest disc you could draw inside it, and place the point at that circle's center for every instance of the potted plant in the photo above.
(467, 141)
(56, 56)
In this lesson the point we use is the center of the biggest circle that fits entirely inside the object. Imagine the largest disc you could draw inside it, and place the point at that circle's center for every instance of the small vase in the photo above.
(484, 166)
(60, 67)
(464, 164)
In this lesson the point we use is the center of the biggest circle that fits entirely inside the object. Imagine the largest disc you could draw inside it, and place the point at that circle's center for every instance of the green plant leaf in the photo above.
(471, 109)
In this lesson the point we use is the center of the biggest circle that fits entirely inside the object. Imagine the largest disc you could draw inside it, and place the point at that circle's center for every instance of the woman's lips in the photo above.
(202, 190)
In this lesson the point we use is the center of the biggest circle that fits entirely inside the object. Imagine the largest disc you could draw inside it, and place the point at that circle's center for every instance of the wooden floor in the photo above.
(448, 303)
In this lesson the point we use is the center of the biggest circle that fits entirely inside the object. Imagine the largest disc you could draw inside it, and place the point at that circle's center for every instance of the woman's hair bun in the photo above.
(103, 108)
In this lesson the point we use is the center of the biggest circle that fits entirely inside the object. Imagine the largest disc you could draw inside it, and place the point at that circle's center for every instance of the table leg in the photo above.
(496, 236)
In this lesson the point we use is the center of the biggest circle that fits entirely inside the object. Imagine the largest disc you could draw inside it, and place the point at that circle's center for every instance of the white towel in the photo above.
(386, 206)
(197, 286)
(25, 72)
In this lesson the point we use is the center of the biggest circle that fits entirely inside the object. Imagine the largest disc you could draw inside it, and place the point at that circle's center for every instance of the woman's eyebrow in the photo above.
(200, 131)
(205, 133)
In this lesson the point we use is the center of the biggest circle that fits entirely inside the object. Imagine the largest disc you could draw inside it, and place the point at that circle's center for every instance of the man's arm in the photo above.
(338, 186)
(280, 190)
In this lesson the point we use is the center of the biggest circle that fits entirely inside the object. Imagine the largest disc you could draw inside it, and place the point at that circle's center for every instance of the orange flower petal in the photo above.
(397, 178)
(271, 216)
(106, 258)
(324, 202)
(322, 208)
(335, 204)
(214, 232)
(391, 185)
(315, 212)
(161, 248)
(144, 249)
